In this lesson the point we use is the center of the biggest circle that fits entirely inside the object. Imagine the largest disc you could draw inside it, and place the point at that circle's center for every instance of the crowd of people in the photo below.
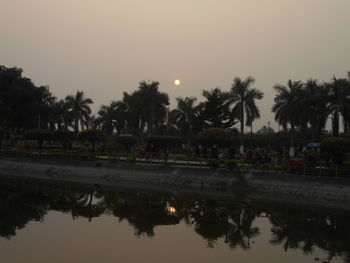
(310, 156)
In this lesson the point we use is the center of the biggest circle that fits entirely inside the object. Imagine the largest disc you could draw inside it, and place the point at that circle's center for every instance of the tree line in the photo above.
(298, 106)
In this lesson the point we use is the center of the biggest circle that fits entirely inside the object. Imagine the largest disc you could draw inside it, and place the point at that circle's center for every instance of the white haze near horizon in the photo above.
(106, 47)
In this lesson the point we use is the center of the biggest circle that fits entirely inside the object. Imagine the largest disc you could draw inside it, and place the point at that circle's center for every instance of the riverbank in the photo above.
(273, 185)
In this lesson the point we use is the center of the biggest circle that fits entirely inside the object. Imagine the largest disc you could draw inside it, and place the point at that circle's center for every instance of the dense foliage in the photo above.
(335, 144)
(64, 137)
(22, 104)
(307, 106)
(302, 110)
(164, 142)
(126, 141)
(92, 136)
(214, 136)
(38, 135)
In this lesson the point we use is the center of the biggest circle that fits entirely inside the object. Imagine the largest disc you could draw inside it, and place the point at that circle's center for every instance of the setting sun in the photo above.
(177, 82)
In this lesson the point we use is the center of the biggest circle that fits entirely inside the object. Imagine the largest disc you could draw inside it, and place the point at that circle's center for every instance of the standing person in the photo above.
(231, 153)
(197, 151)
(249, 156)
(209, 152)
(214, 152)
(205, 152)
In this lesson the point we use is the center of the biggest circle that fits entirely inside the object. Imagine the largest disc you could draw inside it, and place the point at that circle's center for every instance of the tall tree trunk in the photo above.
(52, 126)
(251, 129)
(335, 122)
(150, 123)
(346, 126)
(304, 131)
(241, 148)
(76, 123)
(318, 133)
(313, 132)
(291, 150)
(189, 137)
(149, 128)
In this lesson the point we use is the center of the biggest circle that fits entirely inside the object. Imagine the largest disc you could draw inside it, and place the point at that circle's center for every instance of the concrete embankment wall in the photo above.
(198, 179)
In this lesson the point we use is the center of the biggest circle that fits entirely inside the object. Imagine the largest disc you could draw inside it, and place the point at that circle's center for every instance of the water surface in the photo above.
(45, 222)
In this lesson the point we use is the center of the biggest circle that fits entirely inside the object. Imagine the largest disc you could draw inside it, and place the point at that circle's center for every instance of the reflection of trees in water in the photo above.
(231, 222)
(300, 229)
(210, 221)
(84, 206)
(27, 201)
(241, 231)
(143, 212)
(17, 209)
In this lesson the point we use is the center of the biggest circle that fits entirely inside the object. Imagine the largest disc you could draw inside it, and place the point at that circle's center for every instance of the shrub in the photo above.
(164, 141)
(279, 167)
(347, 158)
(16, 138)
(213, 136)
(335, 144)
(265, 166)
(213, 163)
(2, 136)
(64, 137)
(38, 135)
(232, 164)
(92, 136)
(126, 141)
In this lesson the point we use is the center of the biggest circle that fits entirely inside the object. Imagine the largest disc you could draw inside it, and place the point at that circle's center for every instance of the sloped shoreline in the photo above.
(271, 185)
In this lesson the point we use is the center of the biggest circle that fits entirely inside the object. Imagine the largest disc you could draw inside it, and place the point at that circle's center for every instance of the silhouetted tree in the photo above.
(243, 99)
(22, 104)
(286, 108)
(185, 116)
(80, 109)
(215, 110)
(151, 104)
(339, 102)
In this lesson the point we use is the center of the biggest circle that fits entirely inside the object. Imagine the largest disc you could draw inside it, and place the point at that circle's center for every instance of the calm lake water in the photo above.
(45, 222)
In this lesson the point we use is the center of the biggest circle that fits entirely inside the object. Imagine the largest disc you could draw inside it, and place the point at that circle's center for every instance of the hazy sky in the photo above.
(105, 47)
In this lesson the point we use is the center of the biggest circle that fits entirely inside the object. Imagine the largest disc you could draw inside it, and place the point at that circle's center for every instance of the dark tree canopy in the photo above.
(301, 108)
(214, 136)
(92, 136)
(22, 104)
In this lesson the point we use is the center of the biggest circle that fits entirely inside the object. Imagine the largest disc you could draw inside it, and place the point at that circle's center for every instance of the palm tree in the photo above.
(93, 123)
(106, 118)
(314, 108)
(185, 115)
(80, 109)
(113, 117)
(243, 99)
(339, 102)
(215, 111)
(240, 231)
(252, 113)
(130, 108)
(120, 116)
(286, 108)
(152, 104)
(60, 116)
